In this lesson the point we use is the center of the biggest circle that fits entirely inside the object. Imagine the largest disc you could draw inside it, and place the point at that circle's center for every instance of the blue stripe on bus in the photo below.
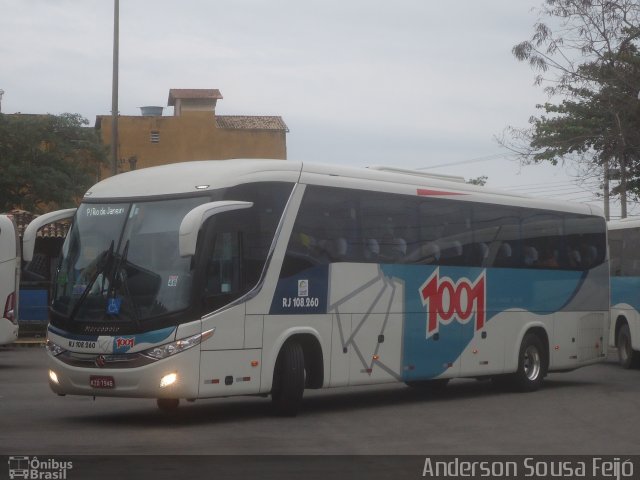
(71, 336)
(536, 291)
(429, 354)
(303, 293)
(124, 343)
(626, 290)
(121, 343)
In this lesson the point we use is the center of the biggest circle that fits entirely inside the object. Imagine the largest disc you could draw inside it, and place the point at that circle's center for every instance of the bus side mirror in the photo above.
(29, 236)
(193, 220)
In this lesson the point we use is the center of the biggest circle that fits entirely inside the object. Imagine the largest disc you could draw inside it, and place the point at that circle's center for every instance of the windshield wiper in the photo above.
(102, 262)
(119, 281)
(114, 281)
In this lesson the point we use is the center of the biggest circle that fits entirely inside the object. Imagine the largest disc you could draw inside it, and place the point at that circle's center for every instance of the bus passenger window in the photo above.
(371, 250)
(589, 255)
(392, 248)
(530, 256)
(504, 256)
(478, 254)
(548, 258)
(427, 254)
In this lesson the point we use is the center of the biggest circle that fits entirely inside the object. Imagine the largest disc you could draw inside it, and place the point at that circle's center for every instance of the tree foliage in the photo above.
(585, 53)
(47, 161)
(480, 181)
(570, 33)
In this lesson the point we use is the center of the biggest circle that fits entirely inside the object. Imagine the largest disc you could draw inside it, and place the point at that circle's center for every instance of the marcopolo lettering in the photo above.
(446, 300)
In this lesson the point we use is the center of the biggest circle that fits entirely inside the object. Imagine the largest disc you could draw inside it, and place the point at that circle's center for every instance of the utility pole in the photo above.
(606, 190)
(1, 93)
(622, 145)
(114, 90)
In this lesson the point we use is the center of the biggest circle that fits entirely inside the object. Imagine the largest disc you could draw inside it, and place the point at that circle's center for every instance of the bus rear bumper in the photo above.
(147, 381)
(8, 331)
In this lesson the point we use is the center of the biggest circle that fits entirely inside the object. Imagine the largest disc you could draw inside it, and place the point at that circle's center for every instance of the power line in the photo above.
(582, 199)
(516, 187)
(573, 192)
(565, 189)
(548, 188)
(533, 186)
(486, 158)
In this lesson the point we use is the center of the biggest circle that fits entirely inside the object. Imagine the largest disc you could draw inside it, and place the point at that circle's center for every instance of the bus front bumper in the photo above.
(173, 377)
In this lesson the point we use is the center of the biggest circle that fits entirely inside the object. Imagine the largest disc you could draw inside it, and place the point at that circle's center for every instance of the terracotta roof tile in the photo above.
(247, 122)
(53, 230)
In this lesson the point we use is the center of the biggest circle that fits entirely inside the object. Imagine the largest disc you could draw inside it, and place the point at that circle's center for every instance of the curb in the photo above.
(30, 342)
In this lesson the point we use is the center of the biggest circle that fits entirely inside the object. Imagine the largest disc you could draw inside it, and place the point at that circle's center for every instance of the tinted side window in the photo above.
(631, 254)
(325, 230)
(585, 243)
(497, 235)
(259, 224)
(336, 224)
(389, 226)
(541, 239)
(616, 244)
(446, 227)
(624, 248)
(239, 241)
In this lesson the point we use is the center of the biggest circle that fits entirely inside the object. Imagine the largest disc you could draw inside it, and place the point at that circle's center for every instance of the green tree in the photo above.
(47, 161)
(585, 52)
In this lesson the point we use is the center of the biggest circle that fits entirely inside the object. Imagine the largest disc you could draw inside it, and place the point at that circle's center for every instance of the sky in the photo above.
(423, 84)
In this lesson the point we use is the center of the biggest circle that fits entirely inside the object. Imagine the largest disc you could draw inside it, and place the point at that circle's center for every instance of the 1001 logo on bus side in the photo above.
(446, 300)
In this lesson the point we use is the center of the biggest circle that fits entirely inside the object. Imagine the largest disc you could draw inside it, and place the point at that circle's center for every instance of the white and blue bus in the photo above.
(9, 280)
(244, 277)
(624, 250)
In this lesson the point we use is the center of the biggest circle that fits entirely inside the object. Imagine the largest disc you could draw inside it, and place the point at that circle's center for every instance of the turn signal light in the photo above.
(168, 380)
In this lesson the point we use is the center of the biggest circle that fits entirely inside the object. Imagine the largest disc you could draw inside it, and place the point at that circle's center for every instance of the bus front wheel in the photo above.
(627, 357)
(531, 364)
(288, 380)
(168, 404)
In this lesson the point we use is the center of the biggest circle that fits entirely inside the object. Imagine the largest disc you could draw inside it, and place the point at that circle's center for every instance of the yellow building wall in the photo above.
(190, 136)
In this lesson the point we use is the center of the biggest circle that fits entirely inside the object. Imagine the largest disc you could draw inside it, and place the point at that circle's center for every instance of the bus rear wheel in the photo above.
(531, 364)
(627, 357)
(288, 380)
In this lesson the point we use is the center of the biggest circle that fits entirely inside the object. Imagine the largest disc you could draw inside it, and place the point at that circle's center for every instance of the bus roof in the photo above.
(623, 223)
(191, 177)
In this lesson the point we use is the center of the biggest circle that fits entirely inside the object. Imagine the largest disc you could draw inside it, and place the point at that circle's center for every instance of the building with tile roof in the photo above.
(22, 218)
(193, 132)
(193, 99)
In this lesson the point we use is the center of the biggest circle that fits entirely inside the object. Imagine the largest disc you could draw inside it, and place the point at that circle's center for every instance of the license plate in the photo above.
(102, 382)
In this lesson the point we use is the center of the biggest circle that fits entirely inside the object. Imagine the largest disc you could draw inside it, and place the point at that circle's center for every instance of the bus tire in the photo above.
(531, 364)
(288, 380)
(168, 404)
(627, 357)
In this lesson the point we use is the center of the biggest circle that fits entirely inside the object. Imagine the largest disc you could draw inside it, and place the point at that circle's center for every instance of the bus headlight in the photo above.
(54, 349)
(169, 349)
(53, 377)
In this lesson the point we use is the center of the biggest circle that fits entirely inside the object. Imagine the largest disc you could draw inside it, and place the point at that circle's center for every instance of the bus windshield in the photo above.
(120, 262)
(120, 267)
